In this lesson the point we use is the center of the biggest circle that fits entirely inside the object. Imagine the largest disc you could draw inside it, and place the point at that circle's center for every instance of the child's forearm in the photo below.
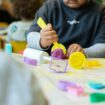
(96, 51)
(33, 40)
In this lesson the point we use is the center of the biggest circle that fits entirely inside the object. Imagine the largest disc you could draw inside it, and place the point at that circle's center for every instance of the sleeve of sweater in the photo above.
(96, 51)
(33, 41)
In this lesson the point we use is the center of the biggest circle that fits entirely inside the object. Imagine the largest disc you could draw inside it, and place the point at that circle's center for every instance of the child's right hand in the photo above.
(48, 36)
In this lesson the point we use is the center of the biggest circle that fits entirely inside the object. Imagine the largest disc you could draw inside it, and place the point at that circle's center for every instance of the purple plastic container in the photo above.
(30, 61)
(58, 65)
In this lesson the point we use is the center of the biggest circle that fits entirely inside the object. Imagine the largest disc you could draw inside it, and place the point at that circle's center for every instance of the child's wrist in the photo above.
(43, 46)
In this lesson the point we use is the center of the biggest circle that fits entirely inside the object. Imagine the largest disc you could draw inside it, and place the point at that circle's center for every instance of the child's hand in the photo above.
(74, 48)
(48, 36)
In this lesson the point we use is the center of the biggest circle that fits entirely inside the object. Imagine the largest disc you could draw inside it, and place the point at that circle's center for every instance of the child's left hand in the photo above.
(74, 48)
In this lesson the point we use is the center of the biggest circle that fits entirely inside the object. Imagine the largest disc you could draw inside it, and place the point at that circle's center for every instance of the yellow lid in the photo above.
(58, 46)
(77, 60)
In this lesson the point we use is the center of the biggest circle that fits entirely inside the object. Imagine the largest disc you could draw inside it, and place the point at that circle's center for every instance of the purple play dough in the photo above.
(58, 53)
(30, 61)
(62, 85)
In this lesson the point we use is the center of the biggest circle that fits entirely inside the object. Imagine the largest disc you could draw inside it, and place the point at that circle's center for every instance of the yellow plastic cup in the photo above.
(77, 60)
(56, 45)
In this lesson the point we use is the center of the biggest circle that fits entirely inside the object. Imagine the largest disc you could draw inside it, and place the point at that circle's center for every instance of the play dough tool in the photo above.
(34, 57)
(77, 60)
(58, 65)
(62, 85)
(57, 45)
(70, 87)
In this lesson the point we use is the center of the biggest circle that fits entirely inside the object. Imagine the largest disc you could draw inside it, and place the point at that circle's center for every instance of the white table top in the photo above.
(48, 81)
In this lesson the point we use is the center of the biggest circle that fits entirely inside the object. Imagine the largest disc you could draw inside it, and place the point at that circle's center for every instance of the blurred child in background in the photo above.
(25, 10)
(5, 12)
(17, 84)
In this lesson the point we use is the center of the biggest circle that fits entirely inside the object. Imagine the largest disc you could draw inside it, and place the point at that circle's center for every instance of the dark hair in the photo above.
(25, 8)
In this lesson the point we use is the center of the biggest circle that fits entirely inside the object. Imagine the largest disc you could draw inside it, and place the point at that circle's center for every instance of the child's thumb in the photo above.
(49, 26)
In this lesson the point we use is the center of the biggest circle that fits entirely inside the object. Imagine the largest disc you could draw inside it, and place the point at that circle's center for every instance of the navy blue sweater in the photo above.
(84, 26)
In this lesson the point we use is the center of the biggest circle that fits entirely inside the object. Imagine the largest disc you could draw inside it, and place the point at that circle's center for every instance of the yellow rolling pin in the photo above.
(41, 23)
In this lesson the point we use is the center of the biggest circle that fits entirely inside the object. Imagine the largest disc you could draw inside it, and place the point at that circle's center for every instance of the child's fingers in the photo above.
(55, 39)
(79, 49)
(48, 36)
(47, 33)
(49, 42)
(45, 43)
(74, 48)
(50, 33)
(48, 28)
(71, 49)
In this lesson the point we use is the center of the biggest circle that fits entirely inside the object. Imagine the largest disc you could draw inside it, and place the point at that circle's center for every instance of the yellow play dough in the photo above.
(92, 63)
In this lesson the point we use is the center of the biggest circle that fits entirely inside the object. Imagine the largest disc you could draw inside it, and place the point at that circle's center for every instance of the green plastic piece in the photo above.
(97, 97)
